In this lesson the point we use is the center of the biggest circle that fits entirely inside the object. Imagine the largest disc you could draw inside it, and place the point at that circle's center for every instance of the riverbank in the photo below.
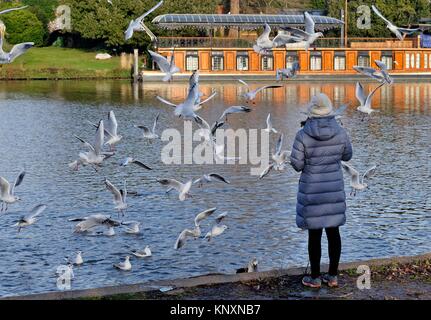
(51, 63)
(391, 279)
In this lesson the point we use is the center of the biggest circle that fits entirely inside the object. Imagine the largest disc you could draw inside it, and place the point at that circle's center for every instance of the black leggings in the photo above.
(315, 250)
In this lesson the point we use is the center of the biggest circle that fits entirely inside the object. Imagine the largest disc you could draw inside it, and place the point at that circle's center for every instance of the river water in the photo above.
(37, 124)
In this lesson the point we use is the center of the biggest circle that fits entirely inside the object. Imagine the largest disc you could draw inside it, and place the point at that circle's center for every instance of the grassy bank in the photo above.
(61, 63)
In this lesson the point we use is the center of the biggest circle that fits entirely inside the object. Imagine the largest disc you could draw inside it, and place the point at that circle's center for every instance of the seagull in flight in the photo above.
(269, 127)
(400, 33)
(138, 24)
(131, 160)
(250, 95)
(357, 183)
(264, 44)
(17, 50)
(279, 159)
(288, 73)
(119, 197)
(87, 223)
(182, 188)
(207, 178)
(307, 37)
(30, 218)
(7, 194)
(147, 132)
(365, 101)
(168, 67)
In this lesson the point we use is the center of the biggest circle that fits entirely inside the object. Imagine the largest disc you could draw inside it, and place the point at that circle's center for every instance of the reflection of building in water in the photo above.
(398, 97)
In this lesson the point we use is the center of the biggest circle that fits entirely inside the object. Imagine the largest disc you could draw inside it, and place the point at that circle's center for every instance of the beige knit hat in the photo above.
(320, 106)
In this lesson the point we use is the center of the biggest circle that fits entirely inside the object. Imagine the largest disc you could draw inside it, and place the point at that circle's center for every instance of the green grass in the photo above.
(61, 63)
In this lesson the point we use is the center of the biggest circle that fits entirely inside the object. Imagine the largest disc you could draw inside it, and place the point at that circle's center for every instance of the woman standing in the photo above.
(317, 153)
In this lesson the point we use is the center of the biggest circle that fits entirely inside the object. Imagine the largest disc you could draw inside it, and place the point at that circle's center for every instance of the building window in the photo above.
(316, 62)
(217, 61)
(426, 60)
(339, 62)
(407, 60)
(363, 60)
(192, 61)
(388, 60)
(267, 63)
(291, 58)
(418, 60)
(242, 61)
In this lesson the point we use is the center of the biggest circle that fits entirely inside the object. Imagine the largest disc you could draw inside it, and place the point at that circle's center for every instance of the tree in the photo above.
(22, 25)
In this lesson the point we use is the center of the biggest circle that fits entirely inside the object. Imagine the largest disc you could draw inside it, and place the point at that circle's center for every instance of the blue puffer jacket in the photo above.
(317, 152)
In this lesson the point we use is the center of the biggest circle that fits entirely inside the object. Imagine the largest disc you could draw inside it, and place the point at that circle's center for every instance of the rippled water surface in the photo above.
(37, 124)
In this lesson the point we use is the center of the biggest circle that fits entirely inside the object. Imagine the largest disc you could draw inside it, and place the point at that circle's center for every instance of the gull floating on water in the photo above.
(307, 37)
(31, 218)
(182, 188)
(78, 258)
(143, 253)
(7, 194)
(269, 127)
(130, 160)
(125, 265)
(400, 33)
(138, 24)
(147, 132)
(357, 183)
(131, 227)
(289, 73)
(119, 197)
(250, 95)
(365, 101)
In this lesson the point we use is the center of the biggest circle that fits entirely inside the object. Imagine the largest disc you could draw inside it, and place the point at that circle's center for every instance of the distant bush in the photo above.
(23, 26)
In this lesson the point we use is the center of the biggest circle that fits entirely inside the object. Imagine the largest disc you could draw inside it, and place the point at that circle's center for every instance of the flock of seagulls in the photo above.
(107, 137)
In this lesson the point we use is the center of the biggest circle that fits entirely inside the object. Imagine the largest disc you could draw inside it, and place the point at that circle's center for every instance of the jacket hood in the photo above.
(323, 128)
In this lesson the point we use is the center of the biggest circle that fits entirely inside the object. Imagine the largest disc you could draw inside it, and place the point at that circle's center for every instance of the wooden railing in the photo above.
(219, 42)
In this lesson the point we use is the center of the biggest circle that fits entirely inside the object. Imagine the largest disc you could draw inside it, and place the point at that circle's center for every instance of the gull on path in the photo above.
(365, 101)
(358, 183)
(182, 188)
(30, 218)
(7, 194)
(138, 24)
(250, 95)
(147, 132)
(125, 265)
(251, 267)
(400, 33)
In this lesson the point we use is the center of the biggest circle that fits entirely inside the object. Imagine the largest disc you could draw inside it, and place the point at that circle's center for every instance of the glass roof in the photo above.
(246, 21)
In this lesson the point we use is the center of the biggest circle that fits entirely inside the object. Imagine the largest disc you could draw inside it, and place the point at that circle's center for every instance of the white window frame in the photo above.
(407, 60)
(388, 61)
(315, 63)
(339, 63)
(244, 64)
(194, 64)
(418, 60)
(362, 58)
(267, 63)
(289, 64)
(214, 62)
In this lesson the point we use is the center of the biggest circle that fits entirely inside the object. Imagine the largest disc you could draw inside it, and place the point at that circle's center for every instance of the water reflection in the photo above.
(37, 123)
